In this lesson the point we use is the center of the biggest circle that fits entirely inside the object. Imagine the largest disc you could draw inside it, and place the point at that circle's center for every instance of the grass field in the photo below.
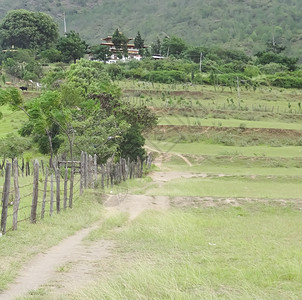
(247, 250)
(11, 121)
(189, 121)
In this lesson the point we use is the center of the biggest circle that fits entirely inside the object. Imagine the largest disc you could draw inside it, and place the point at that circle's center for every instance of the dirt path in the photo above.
(45, 265)
(72, 263)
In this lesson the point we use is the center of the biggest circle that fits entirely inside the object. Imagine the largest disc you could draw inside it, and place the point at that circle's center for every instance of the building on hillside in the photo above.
(133, 53)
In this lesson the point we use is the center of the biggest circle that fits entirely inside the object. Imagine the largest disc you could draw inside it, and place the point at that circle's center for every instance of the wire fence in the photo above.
(49, 190)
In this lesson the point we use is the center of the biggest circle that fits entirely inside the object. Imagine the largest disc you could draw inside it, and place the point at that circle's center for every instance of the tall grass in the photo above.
(249, 252)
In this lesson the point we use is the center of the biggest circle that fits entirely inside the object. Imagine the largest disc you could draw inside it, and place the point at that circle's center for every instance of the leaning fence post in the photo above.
(65, 188)
(5, 196)
(17, 194)
(33, 215)
(58, 190)
(44, 194)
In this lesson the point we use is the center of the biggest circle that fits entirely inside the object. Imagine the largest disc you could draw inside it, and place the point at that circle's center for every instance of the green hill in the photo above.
(244, 24)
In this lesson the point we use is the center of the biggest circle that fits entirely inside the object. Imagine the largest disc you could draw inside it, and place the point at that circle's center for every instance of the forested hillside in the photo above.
(247, 24)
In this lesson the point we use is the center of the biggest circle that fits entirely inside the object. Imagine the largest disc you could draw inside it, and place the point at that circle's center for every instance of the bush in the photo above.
(286, 81)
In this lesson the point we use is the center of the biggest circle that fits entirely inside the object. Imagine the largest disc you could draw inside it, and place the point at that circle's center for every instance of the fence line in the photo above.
(56, 190)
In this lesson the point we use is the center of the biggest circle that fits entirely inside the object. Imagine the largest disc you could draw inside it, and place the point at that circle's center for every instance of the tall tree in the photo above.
(139, 43)
(72, 46)
(173, 46)
(120, 42)
(27, 29)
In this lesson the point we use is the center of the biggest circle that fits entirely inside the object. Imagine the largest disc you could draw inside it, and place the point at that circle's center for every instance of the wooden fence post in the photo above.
(82, 174)
(90, 171)
(108, 173)
(65, 188)
(27, 169)
(58, 175)
(42, 166)
(5, 196)
(85, 170)
(51, 195)
(44, 194)
(33, 215)
(95, 171)
(71, 187)
(103, 175)
(17, 194)
(22, 167)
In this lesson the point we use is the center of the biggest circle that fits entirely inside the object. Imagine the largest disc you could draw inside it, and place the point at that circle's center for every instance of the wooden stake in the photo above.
(44, 194)
(5, 197)
(17, 194)
(33, 215)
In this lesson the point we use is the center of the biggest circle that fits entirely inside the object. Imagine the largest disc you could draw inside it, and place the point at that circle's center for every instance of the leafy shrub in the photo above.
(286, 81)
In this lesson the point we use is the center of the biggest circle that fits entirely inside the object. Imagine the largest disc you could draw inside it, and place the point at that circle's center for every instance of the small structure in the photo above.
(133, 53)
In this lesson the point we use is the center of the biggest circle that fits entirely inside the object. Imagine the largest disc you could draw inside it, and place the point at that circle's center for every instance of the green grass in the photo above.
(234, 186)
(201, 148)
(229, 165)
(248, 252)
(192, 121)
(10, 121)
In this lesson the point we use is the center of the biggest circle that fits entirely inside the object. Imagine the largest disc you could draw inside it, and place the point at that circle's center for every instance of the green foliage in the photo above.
(132, 144)
(26, 29)
(264, 58)
(286, 80)
(115, 71)
(22, 64)
(173, 46)
(100, 52)
(272, 68)
(156, 47)
(13, 146)
(72, 47)
(53, 78)
(46, 115)
(139, 43)
(120, 41)
(51, 55)
(12, 97)
(13, 68)
(91, 78)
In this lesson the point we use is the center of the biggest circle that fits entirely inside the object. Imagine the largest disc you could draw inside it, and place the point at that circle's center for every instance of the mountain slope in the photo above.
(247, 24)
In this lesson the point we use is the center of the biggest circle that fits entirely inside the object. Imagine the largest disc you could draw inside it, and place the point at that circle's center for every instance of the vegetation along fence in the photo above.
(50, 189)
